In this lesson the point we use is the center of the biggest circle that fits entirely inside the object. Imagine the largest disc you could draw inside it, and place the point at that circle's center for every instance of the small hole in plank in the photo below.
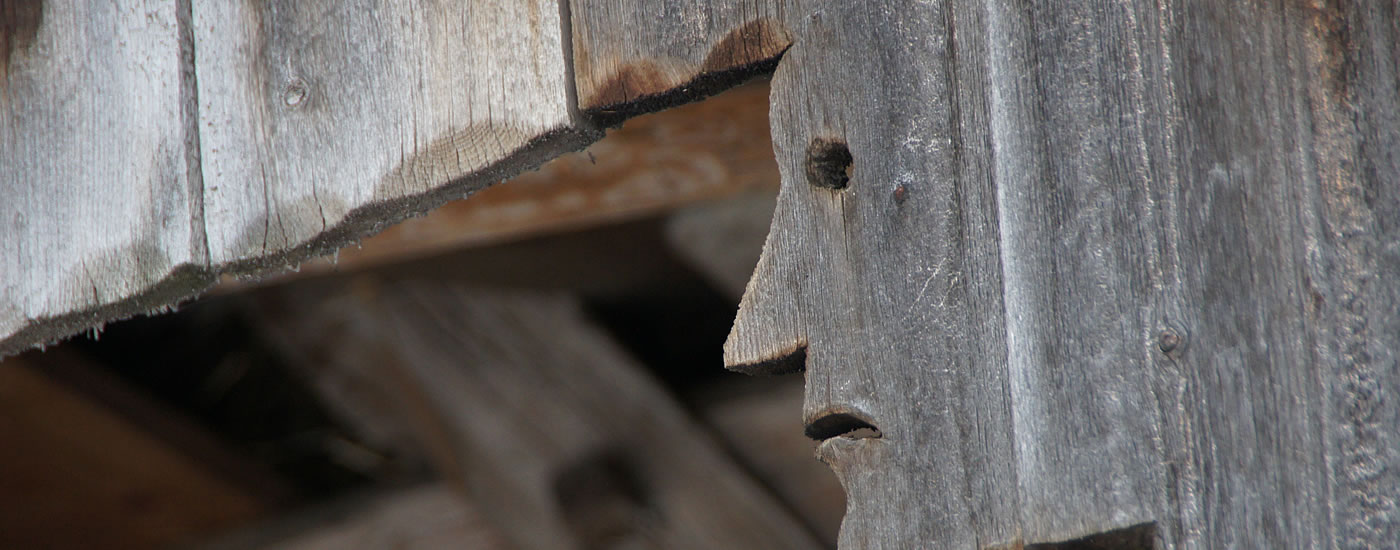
(1142, 536)
(829, 164)
(603, 501)
(841, 425)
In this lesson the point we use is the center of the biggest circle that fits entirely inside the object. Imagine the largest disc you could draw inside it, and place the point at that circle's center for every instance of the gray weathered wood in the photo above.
(631, 57)
(539, 414)
(1124, 269)
(100, 194)
(323, 121)
(148, 147)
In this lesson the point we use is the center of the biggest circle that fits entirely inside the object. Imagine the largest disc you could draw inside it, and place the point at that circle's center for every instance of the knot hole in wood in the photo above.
(829, 163)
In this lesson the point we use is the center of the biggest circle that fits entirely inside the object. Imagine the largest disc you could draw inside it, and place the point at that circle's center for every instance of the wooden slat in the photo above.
(324, 121)
(135, 170)
(694, 154)
(634, 57)
(540, 415)
(75, 474)
(102, 214)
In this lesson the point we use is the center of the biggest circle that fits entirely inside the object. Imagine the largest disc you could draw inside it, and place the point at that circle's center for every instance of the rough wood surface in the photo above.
(698, 153)
(540, 415)
(1099, 274)
(633, 57)
(101, 214)
(135, 170)
(321, 121)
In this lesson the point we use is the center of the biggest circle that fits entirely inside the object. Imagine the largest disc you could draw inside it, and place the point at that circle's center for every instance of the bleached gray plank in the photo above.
(150, 146)
(100, 195)
(323, 121)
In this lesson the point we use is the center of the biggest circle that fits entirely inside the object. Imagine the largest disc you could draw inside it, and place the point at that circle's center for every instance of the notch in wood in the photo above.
(1142, 536)
(841, 425)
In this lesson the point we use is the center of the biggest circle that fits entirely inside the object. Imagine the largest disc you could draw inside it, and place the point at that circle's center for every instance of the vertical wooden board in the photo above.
(634, 56)
(1347, 119)
(1080, 257)
(101, 209)
(887, 286)
(323, 121)
(1258, 319)
(1194, 245)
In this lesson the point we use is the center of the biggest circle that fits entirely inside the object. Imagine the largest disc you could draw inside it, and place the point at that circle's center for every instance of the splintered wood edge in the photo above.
(618, 78)
(607, 90)
(186, 281)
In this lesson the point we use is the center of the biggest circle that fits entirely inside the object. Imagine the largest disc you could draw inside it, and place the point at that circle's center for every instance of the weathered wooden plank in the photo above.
(1100, 274)
(539, 414)
(1075, 201)
(102, 209)
(1352, 253)
(881, 274)
(635, 57)
(324, 121)
(696, 153)
(1284, 199)
(134, 176)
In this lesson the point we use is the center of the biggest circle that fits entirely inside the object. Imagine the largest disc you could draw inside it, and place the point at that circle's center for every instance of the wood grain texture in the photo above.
(325, 121)
(888, 290)
(1094, 269)
(538, 413)
(101, 213)
(632, 57)
(698, 153)
(135, 170)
